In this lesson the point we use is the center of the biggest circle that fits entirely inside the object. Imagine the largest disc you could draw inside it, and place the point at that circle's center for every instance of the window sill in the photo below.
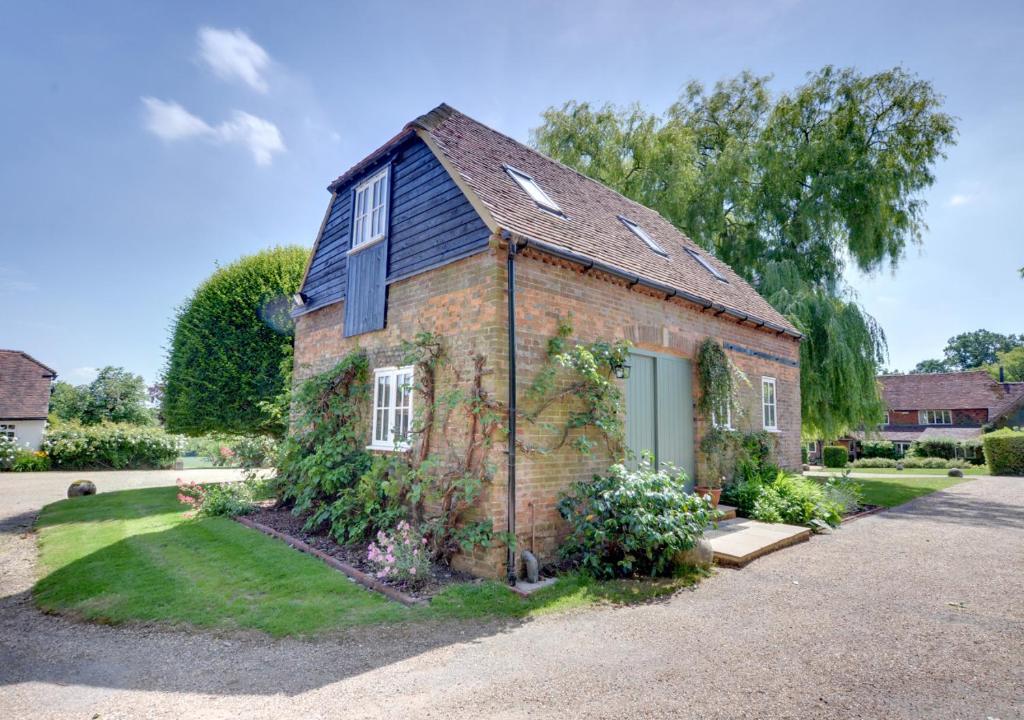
(389, 448)
(367, 244)
(772, 430)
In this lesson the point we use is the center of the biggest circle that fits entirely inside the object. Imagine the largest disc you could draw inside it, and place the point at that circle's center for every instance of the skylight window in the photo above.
(642, 234)
(531, 188)
(706, 265)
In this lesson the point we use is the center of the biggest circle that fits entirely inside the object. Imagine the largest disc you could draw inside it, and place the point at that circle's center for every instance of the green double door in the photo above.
(659, 409)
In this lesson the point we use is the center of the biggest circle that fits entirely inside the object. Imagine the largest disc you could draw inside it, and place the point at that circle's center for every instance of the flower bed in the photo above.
(357, 555)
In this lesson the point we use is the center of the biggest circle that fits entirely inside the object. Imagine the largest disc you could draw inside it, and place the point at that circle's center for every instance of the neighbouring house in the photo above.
(453, 228)
(957, 406)
(24, 397)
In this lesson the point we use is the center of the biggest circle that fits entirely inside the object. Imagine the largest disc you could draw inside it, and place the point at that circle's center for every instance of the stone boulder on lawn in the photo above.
(956, 472)
(81, 487)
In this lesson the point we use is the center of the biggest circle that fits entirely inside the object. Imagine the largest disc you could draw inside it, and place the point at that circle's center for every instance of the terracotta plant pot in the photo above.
(715, 493)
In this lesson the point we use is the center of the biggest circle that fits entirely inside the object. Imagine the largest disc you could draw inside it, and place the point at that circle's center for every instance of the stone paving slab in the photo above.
(737, 542)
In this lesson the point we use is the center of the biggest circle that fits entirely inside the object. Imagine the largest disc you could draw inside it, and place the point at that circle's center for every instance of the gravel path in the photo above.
(916, 612)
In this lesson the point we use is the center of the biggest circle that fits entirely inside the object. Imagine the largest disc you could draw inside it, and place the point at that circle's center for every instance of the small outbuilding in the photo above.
(24, 397)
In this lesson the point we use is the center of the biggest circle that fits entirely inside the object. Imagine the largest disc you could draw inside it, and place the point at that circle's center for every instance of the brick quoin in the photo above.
(465, 303)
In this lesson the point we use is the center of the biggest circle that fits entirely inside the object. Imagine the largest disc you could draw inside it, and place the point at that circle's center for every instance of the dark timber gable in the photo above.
(430, 223)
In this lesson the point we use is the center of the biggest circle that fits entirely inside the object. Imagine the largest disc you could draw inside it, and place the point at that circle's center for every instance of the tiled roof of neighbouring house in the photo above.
(24, 386)
(950, 391)
(589, 226)
(918, 432)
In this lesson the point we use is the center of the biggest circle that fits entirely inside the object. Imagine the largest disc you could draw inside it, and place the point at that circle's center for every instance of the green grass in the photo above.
(196, 462)
(900, 489)
(972, 470)
(134, 556)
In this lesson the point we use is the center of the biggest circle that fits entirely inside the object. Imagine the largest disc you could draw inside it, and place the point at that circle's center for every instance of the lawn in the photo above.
(969, 470)
(135, 556)
(899, 489)
(196, 462)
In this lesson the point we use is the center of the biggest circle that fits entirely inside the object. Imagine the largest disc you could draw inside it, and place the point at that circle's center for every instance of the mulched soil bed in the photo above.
(863, 511)
(285, 522)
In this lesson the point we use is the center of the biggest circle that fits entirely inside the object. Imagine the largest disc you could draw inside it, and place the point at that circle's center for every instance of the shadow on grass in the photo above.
(217, 574)
(960, 509)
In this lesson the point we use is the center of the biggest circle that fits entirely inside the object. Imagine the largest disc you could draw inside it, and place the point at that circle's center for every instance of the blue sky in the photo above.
(144, 143)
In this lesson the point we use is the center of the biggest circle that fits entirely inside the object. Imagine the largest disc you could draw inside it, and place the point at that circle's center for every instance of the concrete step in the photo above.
(726, 512)
(738, 541)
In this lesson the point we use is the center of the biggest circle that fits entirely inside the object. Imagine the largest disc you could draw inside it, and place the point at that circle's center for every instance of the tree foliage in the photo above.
(930, 366)
(229, 364)
(978, 348)
(784, 188)
(116, 395)
(1012, 363)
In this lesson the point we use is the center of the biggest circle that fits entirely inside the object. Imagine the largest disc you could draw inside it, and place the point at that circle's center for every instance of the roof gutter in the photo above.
(522, 242)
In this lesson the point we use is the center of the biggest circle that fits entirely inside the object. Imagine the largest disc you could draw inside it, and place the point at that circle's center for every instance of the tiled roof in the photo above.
(950, 391)
(590, 226)
(918, 432)
(24, 386)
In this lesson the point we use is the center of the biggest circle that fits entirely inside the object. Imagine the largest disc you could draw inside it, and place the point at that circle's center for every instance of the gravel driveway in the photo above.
(916, 612)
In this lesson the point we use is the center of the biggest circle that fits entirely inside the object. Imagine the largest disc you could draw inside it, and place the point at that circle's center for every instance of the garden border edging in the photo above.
(355, 574)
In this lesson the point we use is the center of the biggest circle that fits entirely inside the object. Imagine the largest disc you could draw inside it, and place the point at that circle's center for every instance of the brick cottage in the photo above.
(454, 228)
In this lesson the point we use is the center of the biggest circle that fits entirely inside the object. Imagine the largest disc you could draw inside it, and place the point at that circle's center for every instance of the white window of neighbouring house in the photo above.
(901, 448)
(722, 417)
(370, 214)
(706, 265)
(642, 234)
(531, 188)
(392, 408)
(768, 404)
(935, 417)
(886, 417)
(7, 431)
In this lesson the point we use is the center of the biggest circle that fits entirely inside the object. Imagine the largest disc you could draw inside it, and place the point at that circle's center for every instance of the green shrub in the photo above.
(803, 454)
(835, 456)
(8, 452)
(632, 522)
(878, 449)
(1004, 451)
(219, 499)
(875, 462)
(111, 446)
(945, 448)
(783, 498)
(932, 463)
(846, 494)
(26, 460)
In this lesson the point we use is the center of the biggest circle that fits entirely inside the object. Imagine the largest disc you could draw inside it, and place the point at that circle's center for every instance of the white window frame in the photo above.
(370, 209)
(934, 417)
(385, 416)
(901, 447)
(706, 265)
(534, 190)
(774, 405)
(886, 418)
(728, 418)
(9, 431)
(642, 234)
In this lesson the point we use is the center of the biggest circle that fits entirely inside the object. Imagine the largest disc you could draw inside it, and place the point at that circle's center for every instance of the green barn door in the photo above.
(659, 409)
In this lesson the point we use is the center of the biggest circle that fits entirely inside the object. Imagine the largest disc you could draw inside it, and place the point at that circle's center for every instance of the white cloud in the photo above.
(81, 375)
(961, 199)
(169, 121)
(232, 55)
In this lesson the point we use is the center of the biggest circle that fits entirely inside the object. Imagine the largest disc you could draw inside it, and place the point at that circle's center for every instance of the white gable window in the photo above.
(642, 234)
(706, 265)
(370, 212)
(935, 417)
(531, 188)
(392, 408)
(768, 404)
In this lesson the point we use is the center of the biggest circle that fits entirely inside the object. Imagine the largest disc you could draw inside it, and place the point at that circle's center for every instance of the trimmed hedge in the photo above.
(834, 456)
(1004, 451)
(878, 449)
(111, 447)
(934, 448)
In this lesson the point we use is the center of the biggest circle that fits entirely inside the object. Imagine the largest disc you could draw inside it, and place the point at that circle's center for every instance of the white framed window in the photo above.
(706, 265)
(769, 414)
(935, 417)
(722, 417)
(392, 408)
(531, 188)
(370, 211)
(886, 418)
(901, 448)
(642, 234)
(8, 431)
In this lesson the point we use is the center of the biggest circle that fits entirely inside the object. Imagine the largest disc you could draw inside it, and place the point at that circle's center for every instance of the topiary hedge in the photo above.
(934, 448)
(1004, 451)
(834, 456)
(878, 449)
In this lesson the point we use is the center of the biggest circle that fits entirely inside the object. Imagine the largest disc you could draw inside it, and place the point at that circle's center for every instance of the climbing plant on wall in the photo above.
(714, 378)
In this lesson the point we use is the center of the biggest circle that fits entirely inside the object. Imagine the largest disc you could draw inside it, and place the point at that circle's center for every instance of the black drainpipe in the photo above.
(511, 509)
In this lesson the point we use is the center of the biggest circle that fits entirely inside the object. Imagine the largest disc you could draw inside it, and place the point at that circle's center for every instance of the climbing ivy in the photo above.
(714, 377)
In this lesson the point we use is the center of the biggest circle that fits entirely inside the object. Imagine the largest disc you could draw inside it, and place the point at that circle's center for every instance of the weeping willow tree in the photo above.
(788, 189)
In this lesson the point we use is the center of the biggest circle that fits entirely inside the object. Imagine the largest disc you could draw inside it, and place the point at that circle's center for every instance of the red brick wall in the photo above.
(466, 304)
